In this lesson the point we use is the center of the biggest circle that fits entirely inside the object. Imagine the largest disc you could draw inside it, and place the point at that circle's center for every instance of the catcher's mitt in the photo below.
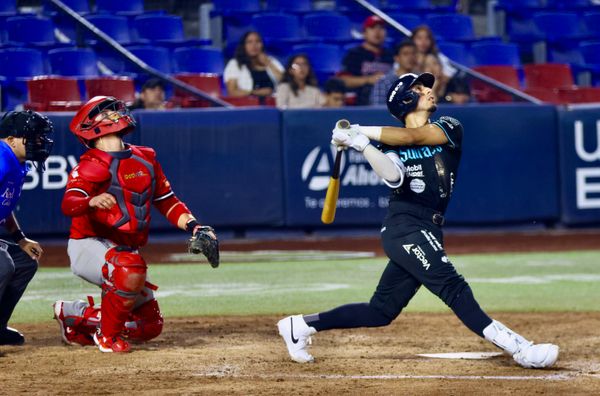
(202, 242)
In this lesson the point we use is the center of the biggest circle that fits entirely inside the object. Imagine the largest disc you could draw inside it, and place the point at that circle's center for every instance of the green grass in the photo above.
(501, 282)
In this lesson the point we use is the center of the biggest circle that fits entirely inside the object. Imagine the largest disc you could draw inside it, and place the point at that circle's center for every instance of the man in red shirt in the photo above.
(109, 196)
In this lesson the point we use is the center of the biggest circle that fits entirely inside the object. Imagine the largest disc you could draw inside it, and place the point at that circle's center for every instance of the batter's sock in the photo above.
(469, 312)
(348, 316)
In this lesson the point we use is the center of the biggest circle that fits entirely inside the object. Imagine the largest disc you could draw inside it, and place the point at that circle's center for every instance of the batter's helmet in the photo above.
(87, 126)
(36, 130)
(401, 100)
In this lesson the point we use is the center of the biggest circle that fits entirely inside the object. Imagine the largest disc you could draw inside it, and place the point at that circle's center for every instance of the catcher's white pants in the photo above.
(87, 258)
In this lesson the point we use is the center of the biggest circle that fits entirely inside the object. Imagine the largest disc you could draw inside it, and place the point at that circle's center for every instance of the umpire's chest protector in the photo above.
(132, 183)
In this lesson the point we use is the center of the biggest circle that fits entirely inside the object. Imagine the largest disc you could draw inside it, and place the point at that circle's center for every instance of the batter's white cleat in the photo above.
(296, 334)
(524, 352)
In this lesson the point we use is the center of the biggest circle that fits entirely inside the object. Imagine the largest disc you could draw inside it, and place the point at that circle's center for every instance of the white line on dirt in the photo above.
(549, 377)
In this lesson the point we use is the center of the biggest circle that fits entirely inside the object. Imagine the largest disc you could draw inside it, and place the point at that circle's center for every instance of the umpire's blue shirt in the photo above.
(12, 177)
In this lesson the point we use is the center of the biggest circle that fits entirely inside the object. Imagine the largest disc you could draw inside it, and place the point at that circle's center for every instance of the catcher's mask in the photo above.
(36, 131)
(114, 118)
(401, 99)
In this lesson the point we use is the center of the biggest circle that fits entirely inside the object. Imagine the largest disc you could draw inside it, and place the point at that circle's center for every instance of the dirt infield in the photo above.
(245, 356)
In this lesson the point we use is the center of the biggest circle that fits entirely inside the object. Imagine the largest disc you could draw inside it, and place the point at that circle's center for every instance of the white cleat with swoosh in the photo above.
(296, 334)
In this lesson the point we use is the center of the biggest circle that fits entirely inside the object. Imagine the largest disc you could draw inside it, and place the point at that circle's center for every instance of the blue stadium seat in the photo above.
(456, 51)
(590, 50)
(156, 57)
(592, 23)
(328, 26)
(21, 62)
(296, 6)
(198, 60)
(79, 6)
(520, 5)
(73, 62)
(30, 30)
(228, 7)
(277, 26)
(409, 5)
(116, 26)
(159, 28)
(8, 7)
(351, 5)
(409, 21)
(326, 59)
(452, 27)
(559, 26)
(487, 53)
(568, 4)
(128, 7)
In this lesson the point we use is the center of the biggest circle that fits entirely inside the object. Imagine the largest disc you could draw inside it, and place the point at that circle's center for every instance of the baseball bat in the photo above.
(333, 189)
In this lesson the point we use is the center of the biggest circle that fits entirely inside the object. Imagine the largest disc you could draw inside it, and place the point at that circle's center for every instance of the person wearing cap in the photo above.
(406, 62)
(364, 65)
(419, 163)
(24, 135)
(152, 96)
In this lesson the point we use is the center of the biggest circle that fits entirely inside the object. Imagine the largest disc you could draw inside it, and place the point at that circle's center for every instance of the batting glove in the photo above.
(359, 142)
(341, 138)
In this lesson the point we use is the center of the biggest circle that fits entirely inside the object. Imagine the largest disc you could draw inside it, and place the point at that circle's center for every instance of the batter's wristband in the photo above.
(17, 235)
(191, 225)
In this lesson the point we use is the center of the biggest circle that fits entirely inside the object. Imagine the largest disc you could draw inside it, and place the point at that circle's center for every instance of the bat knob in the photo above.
(343, 124)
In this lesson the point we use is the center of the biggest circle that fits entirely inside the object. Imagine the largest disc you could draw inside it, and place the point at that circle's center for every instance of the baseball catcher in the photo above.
(109, 196)
(419, 163)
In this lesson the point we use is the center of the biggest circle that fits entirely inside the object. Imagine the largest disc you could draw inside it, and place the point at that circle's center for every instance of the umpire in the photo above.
(24, 135)
(419, 163)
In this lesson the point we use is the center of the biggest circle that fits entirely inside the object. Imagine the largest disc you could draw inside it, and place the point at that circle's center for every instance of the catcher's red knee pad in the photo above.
(128, 274)
(146, 322)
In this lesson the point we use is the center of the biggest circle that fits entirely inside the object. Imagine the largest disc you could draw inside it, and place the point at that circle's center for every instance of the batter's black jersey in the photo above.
(430, 170)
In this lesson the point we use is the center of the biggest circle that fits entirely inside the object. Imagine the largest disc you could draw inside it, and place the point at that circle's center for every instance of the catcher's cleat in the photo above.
(296, 334)
(9, 336)
(111, 344)
(69, 335)
(524, 352)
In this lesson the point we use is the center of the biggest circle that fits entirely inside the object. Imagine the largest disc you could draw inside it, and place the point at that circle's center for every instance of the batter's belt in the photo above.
(417, 210)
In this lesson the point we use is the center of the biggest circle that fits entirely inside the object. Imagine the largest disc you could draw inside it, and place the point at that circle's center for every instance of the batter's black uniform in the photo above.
(412, 239)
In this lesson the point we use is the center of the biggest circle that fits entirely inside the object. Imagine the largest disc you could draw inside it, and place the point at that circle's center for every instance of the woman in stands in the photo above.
(251, 71)
(425, 42)
(298, 88)
(431, 64)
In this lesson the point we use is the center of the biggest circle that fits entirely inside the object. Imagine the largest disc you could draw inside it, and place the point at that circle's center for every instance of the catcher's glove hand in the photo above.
(202, 242)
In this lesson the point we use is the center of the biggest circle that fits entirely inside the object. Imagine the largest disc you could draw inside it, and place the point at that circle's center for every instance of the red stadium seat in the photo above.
(242, 101)
(209, 83)
(580, 95)
(53, 94)
(484, 93)
(548, 75)
(120, 87)
(548, 95)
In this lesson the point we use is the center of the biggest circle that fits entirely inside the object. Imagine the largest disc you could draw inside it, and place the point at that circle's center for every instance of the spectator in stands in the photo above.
(432, 64)
(365, 64)
(152, 96)
(405, 61)
(425, 42)
(457, 91)
(251, 71)
(298, 88)
(335, 93)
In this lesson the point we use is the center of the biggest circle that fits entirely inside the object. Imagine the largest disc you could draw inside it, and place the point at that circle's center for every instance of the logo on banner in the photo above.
(587, 178)
(354, 169)
(54, 177)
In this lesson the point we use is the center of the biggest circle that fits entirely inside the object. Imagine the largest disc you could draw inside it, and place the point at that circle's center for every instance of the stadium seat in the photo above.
(579, 95)
(21, 62)
(73, 62)
(79, 6)
(159, 28)
(277, 26)
(548, 95)
(568, 4)
(296, 6)
(119, 87)
(456, 51)
(520, 5)
(409, 5)
(8, 7)
(484, 93)
(451, 27)
(352, 6)
(115, 26)
(209, 83)
(487, 53)
(590, 50)
(156, 57)
(226, 7)
(31, 30)
(592, 23)
(242, 101)
(129, 7)
(198, 60)
(409, 21)
(559, 26)
(53, 94)
(548, 76)
(327, 26)
(326, 59)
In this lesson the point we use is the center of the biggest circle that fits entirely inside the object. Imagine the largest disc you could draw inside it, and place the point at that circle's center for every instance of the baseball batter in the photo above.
(419, 163)
(24, 135)
(109, 195)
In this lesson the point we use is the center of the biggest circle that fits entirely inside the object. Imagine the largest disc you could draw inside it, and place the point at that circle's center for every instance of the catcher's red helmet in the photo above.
(87, 126)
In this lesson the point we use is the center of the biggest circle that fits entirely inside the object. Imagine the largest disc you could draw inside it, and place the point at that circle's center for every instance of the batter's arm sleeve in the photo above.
(387, 166)
(164, 198)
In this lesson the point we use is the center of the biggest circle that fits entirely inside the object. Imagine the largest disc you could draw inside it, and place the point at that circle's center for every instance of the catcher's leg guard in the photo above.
(125, 276)
(145, 322)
